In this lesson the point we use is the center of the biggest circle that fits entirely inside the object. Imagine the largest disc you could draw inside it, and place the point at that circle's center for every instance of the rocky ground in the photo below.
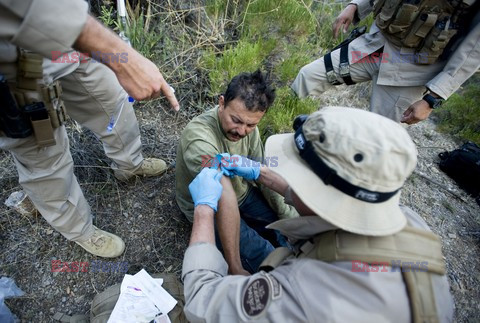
(145, 214)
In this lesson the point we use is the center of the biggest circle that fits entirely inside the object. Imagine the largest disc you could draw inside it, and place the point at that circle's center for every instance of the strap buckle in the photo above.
(332, 78)
(52, 91)
(344, 69)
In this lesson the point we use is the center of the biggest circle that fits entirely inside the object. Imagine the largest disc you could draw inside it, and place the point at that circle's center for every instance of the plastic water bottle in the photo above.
(118, 111)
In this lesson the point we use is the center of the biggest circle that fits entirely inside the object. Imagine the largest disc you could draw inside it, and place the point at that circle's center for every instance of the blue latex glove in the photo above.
(236, 165)
(206, 188)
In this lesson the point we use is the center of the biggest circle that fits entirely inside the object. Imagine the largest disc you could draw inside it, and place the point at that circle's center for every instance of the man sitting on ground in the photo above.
(245, 207)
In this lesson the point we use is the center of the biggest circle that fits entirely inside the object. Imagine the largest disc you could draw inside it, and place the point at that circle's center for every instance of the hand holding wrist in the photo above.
(206, 188)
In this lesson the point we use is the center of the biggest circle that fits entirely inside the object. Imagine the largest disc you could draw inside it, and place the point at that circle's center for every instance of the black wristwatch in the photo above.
(433, 102)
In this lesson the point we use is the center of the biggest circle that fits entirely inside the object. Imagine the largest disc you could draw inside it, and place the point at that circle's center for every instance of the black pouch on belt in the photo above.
(13, 122)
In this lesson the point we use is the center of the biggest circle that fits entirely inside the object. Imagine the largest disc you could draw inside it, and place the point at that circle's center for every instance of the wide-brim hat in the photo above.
(371, 155)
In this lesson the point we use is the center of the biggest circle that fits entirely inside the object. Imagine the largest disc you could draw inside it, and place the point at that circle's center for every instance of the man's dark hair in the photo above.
(252, 89)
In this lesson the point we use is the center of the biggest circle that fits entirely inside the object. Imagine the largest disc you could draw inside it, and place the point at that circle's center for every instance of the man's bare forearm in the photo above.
(138, 76)
(96, 38)
(272, 180)
(228, 225)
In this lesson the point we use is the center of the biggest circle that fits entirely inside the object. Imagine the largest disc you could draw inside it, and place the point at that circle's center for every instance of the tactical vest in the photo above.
(421, 27)
(403, 249)
(32, 106)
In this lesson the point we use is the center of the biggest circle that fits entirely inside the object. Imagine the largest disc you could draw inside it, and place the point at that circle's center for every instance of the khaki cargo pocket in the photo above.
(400, 106)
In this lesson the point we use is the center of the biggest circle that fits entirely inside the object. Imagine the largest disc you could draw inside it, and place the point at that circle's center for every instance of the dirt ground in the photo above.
(145, 214)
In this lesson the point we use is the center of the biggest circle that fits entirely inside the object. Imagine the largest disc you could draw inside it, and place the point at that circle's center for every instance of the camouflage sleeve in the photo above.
(42, 26)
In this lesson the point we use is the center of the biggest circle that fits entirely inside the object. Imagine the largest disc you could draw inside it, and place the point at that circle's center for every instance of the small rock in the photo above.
(49, 231)
(148, 248)
(125, 214)
(68, 290)
(151, 195)
(52, 309)
(47, 281)
(452, 235)
(137, 205)
(64, 299)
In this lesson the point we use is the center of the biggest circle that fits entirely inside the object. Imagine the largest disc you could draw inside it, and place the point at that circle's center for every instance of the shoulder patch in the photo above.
(256, 297)
(276, 287)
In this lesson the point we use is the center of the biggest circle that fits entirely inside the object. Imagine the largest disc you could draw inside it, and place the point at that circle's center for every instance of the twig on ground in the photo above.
(440, 185)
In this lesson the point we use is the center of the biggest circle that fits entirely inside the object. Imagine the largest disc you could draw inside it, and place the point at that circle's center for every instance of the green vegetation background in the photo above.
(222, 38)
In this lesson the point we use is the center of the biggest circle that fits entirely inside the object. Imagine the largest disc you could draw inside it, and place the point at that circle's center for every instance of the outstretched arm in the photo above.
(138, 76)
(30, 26)
(210, 295)
(272, 180)
(460, 66)
(236, 165)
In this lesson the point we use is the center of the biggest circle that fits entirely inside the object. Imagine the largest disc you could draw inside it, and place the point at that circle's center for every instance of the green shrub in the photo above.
(285, 16)
(144, 36)
(279, 118)
(142, 33)
(460, 114)
(326, 12)
(292, 58)
(106, 16)
(244, 57)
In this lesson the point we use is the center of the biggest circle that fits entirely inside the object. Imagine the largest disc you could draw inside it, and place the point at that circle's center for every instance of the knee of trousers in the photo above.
(311, 79)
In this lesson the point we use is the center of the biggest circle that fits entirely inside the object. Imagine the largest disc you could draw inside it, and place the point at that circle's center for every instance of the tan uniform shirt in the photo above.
(28, 24)
(300, 290)
(443, 77)
(203, 138)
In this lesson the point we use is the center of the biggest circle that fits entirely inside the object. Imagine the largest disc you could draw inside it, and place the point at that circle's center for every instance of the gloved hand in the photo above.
(206, 188)
(240, 166)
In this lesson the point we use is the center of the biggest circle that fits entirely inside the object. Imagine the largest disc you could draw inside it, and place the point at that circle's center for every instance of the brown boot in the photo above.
(150, 167)
(103, 244)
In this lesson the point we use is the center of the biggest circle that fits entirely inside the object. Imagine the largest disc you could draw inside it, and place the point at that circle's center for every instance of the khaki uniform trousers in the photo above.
(91, 94)
(46, 174)
(388, 101)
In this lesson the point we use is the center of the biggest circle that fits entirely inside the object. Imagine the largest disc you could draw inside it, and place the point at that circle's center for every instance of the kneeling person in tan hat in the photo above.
(358, 254)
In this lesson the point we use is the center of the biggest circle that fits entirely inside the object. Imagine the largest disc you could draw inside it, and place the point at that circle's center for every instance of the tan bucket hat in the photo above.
(348, 165)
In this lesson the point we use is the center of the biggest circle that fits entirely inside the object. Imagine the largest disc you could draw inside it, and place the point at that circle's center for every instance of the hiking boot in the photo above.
(150, 167)
(103, 244)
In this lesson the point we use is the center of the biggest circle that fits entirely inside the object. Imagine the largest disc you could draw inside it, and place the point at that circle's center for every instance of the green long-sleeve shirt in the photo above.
(202, 139)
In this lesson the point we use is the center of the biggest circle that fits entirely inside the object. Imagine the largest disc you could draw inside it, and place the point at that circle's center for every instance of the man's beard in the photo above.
(235, 136)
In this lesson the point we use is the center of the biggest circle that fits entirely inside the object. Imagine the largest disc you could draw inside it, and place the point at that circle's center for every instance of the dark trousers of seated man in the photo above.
(256, 241)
